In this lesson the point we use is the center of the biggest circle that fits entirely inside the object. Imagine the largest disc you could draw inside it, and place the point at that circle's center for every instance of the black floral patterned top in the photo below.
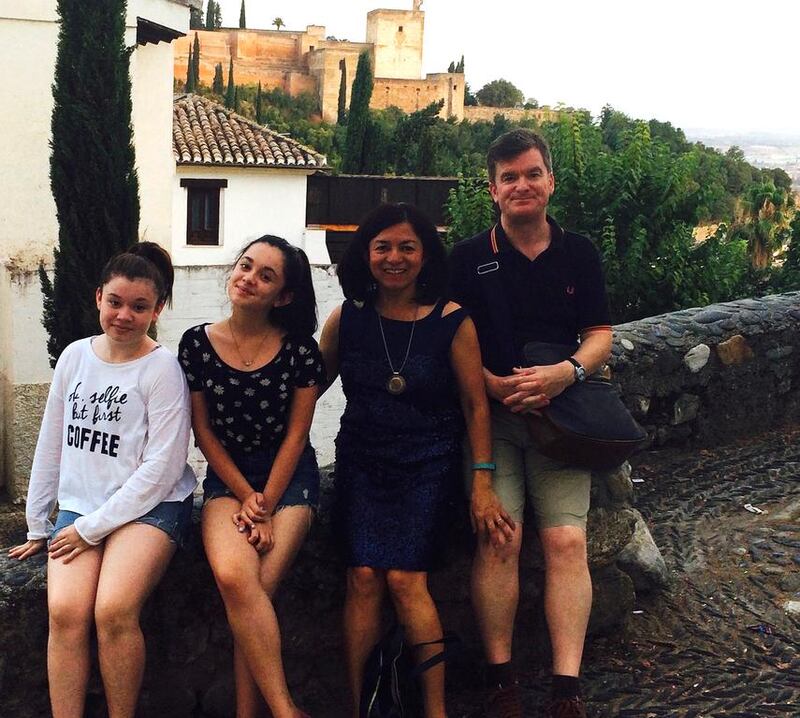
(249, 410)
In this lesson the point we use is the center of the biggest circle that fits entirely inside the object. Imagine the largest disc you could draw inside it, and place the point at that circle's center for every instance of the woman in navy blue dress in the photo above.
(411, 373)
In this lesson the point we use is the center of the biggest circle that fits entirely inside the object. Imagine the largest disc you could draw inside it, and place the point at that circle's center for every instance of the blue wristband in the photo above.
(488, 465)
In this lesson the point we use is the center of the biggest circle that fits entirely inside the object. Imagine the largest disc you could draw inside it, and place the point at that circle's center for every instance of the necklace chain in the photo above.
(386, 346)
(239, 351)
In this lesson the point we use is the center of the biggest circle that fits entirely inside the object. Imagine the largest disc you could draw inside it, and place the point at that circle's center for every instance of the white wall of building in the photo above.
(255, 202)
(28, 42)
(152, 94)
(28, 46)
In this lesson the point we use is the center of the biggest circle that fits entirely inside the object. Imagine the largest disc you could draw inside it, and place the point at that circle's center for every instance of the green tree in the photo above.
(460, 65)
(213, 15)
(230, 92)
(469, 209)
(500, 93)
(413, 141)
(341, 110)
(191, 80)
(278, 23)
(218, 86)
(92, 165)
(451, 67)
(764, 223)
(196, 61)
(259, 111)
(358, 117)
(788, 280)
(195, 18)
(242, 17)
(469, 98)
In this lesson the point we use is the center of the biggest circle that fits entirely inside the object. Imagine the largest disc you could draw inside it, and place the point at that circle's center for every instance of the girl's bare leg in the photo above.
(71, 591)
(237, 568)
(135, 559)
(290, 527)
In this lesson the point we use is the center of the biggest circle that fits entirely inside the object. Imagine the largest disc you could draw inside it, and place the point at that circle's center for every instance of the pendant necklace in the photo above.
(396, 383)
(239, 351)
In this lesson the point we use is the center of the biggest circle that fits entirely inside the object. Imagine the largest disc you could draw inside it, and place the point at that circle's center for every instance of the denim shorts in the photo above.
(303, 489)
(173, 517)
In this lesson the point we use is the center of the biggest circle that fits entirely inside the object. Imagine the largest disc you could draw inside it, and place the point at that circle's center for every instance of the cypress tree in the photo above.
(259, 115)
(218, 86)
(242, 19)
(213, 15)
(358, 117)
(210, 15)
(460, 65)
(236, 98)
(92, 165)
(190, 77)
(195, 19)
(230, 92)
(341, 115)
(196, 62)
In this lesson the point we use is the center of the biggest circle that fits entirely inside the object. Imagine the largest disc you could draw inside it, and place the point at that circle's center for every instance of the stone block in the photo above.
(685, 409)
(613, 597)
(697, 357)
(734, 351)
(642, 560)
(619, 485)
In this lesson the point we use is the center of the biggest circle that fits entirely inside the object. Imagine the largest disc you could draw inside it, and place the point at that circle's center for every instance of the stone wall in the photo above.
(414, 95)
(514, 114)
(710, 374)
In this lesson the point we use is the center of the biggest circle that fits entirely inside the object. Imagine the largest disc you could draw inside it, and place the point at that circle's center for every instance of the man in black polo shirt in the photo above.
(527, 280)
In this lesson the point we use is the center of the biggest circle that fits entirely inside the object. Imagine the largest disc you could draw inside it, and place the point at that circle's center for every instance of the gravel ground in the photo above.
(720, 641)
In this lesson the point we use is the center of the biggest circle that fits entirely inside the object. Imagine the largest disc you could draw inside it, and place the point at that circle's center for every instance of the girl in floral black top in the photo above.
(254, 379)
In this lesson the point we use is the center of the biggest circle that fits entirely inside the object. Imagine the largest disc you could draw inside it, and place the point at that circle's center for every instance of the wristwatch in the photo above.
(580, 372)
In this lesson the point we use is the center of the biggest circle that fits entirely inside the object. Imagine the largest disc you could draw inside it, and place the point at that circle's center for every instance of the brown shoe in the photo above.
(567, 708)
(504, 702)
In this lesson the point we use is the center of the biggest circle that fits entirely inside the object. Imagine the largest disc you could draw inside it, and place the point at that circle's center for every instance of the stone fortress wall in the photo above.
(307, 61)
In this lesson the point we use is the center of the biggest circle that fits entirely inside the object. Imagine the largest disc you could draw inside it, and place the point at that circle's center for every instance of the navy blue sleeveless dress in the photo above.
(397, 456)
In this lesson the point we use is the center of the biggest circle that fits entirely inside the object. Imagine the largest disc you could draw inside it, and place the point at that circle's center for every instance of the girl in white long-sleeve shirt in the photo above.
(112, 452)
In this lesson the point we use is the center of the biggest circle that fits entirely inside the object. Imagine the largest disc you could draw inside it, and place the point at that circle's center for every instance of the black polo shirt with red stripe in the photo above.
(552, 298)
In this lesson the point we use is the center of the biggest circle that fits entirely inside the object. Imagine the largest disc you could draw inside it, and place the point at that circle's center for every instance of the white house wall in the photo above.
(255, 202)
(152, 94)
(28, 41)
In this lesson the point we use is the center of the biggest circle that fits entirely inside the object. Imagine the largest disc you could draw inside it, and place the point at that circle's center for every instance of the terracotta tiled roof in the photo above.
(206, 133)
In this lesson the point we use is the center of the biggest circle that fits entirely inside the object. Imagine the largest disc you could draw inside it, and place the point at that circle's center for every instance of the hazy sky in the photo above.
(700, 64)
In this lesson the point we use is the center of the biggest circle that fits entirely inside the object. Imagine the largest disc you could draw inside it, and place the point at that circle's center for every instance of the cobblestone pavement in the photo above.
(719, 642)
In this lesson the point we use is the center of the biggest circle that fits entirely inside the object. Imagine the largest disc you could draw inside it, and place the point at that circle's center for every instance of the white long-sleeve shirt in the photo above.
(113, 441)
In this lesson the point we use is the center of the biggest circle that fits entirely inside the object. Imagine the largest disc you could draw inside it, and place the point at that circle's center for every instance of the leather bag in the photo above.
(587, 425)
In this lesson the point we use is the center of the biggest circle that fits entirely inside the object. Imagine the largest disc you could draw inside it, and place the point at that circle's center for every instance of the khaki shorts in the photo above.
(558, 493)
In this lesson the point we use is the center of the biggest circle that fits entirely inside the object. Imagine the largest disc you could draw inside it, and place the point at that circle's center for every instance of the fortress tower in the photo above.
(396, 36)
